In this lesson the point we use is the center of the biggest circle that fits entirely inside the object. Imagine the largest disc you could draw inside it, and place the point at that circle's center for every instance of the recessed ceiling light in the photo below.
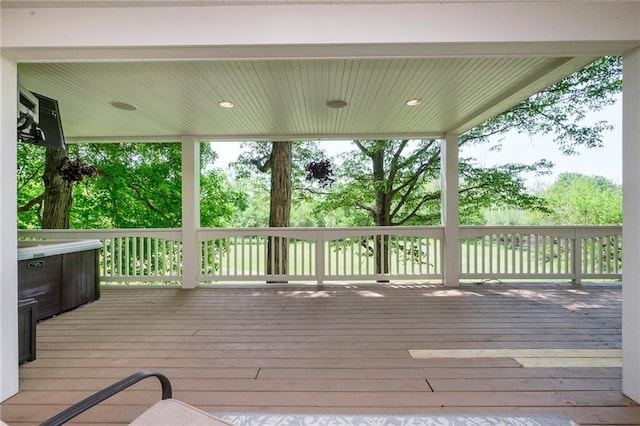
(414, 102)
(226, 104)
(336, 103)
(123, 106)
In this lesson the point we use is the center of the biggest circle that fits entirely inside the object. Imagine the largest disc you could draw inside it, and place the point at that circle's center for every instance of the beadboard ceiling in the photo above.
(285, 99)
(281, 92)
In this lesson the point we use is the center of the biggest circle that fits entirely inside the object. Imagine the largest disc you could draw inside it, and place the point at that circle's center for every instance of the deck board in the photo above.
(340, 350)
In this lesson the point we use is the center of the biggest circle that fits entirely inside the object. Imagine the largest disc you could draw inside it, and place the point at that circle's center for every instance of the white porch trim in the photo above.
(297, 31)
(508, 27)
(8, 231)
(190, 210)
(449, 210)
(631, 226)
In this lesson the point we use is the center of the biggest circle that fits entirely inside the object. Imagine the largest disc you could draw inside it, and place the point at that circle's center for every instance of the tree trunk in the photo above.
(57, 192)
(280, 206)
(382, 214)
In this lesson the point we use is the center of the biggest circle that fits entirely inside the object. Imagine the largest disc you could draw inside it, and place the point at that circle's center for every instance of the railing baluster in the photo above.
(593, 256)
(203, 253)
(499, 257)
(344, 256)
(490, 254)
(138, 244)
(115, 256)
(397, 251)
(168, 247)
(410, 252)
(608, 253)
(423, 252)
(281, 245)
(308, 262)
(294, 243)
(128, 256)
(562, 257)
(616, 254)
(521, 247)
(547, 254)
(155, 256)
(515, 250)
(534, 253)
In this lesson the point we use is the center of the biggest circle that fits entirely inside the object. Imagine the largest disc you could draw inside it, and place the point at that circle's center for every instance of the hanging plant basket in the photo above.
(74, 171)
(321, 172)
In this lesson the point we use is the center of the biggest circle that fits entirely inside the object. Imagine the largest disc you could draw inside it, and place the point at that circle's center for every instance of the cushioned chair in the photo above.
(167, 411)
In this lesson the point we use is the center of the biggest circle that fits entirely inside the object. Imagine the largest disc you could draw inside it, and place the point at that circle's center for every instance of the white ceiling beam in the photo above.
(480, 28)
(332, 51)
(240, 138)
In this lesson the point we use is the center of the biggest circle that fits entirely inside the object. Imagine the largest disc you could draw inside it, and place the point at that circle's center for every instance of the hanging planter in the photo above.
(321, 172)
(74, 171)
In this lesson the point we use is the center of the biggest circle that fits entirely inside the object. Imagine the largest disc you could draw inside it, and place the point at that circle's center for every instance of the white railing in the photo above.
(534, 252)
(355, 254)
(319, 254)
(128, 254)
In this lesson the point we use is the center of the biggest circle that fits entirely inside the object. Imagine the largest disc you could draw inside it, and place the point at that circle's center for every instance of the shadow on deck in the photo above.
(336, 350)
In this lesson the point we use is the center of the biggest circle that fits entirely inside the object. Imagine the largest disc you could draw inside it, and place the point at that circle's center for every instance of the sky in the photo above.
(605, 161)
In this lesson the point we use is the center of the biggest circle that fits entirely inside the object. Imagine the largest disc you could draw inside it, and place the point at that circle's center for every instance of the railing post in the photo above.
(576, 259)
(320, 258)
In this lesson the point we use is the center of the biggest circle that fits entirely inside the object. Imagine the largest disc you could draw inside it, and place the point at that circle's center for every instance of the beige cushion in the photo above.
(171, 412)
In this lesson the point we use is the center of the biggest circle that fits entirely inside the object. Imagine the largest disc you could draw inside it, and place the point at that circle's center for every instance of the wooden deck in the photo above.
(338, 350)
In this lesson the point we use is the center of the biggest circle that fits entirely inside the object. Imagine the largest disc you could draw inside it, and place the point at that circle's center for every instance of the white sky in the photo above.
(605, 161)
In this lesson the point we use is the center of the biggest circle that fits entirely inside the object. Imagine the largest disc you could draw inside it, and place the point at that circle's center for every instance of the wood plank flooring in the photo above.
(336, 350)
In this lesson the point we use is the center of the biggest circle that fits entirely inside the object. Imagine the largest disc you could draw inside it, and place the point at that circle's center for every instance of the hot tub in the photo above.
(59, 274)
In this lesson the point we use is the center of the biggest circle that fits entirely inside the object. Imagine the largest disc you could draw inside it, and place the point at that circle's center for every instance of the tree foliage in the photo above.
(576, 199)
(560, 110)
(397, 182)
(139, 186)
(256, 156)
(303, 194)
(380, 182)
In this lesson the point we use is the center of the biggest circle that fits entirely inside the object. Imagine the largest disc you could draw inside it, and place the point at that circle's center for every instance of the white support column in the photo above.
(450, 214)
(190, 211)
(631, 226)
(8, 231)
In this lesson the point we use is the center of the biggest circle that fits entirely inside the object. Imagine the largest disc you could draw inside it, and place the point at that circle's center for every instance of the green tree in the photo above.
(576, 199)
(560, 110)
(139, 186)
(256, 213)
(397, 182)
(30, 186)
(44, 198)
(277, 159)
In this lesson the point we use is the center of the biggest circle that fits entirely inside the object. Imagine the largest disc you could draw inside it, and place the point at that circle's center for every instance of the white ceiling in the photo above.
(278, 99)
(281, 90)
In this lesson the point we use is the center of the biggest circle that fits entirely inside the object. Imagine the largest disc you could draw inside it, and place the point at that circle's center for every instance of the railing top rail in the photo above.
(325, 233)
(346, 228)
(173, 233)
(551, 231)
(535, 227)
